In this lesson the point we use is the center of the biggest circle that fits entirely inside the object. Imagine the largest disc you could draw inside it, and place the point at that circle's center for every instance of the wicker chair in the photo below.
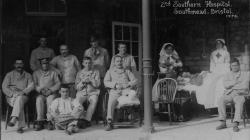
(129, 115)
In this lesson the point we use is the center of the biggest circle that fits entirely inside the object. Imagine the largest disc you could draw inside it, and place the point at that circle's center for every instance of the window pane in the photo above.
(32, 5)
(46, 5)
(128, 47)
(59, 6)
(118, 32)
(137, 62)
(135, 47)
(116, 46)
(135, 33)
(126, 33)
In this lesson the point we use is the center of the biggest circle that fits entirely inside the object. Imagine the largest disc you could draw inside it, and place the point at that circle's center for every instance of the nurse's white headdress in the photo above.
(163, 49)
(223, 42)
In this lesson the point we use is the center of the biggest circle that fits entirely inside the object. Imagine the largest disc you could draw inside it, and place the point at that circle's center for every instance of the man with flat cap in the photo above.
(46, 84)
(41, 52)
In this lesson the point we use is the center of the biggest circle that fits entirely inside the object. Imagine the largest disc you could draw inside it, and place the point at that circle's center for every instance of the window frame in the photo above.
(44, 13)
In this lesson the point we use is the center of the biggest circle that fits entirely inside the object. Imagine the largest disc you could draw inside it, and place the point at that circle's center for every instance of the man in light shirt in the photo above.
(65, 112)
(68, 66)
(46, 84)
(100, 61)
(87, 85)
(118, 80)
(17, 85)
(42, 51)
(236, 84)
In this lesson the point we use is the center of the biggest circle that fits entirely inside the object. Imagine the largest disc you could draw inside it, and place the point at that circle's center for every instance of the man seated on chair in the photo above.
(118, 80)
(17, 85)
(46, 84)
(65, 111)
(87, 86)
(236, 84)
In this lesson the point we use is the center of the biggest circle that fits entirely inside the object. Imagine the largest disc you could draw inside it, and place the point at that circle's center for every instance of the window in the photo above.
(46, 7)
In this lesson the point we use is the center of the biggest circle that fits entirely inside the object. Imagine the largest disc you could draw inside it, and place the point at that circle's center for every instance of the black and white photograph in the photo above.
(125, 69)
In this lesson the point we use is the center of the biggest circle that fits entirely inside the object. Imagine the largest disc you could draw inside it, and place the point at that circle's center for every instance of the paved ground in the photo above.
(197, 129)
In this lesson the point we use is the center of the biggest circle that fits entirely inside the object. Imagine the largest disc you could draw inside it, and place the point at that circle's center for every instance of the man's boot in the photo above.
(20, 130)
(12, 122)
(223, 125)
(109, 125)
(39, 126)
(50, 126)
(235, 127)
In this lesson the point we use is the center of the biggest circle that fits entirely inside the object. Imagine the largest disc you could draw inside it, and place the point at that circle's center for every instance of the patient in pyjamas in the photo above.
(64, 112)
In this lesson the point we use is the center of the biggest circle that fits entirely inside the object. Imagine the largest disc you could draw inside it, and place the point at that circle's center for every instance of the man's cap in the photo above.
(94, 38)
(44, 60)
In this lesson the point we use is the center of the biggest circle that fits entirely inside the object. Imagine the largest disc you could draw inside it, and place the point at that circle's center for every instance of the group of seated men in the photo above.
(63, 74)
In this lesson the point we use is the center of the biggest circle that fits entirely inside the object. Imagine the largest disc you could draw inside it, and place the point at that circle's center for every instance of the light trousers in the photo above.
(18, 110)
(41, 101)
(92, 99)
(238, 101)
(112, 103)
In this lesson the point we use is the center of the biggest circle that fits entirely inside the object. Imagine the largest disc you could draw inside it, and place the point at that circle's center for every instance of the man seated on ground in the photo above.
(87, 86)
(64, 112)
(236, 84)
(118, 80)
(46, 84)
(17, 85)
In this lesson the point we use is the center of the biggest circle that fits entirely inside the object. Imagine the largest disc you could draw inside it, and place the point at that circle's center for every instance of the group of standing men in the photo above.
(63, 74)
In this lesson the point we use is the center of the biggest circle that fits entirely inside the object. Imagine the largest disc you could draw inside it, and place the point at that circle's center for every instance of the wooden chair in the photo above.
(166, 89)
(9, 109)
(161, 75)
(128, 113)
(183, 105)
